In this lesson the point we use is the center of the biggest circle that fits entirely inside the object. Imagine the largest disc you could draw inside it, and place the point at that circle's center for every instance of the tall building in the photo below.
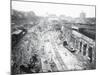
(82, 15)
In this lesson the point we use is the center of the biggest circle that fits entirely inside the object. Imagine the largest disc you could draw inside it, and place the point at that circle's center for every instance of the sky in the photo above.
(43, 9)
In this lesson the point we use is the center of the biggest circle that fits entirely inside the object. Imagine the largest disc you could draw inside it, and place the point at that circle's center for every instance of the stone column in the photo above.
(75, 44)
(94, 54)
(78, 47)
(82, 48)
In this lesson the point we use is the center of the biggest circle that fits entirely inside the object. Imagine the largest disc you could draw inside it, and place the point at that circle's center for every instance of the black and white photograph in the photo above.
(52, 37)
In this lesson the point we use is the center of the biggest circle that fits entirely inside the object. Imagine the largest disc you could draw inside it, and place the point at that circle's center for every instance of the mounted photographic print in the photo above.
(52, 37)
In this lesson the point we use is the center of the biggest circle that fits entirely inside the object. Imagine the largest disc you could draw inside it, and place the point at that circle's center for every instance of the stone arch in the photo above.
(80, 46)
(65, 43)
(90, 53)
(84, 49)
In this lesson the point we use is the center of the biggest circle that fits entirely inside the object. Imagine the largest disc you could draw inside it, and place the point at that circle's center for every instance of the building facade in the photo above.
(84, 46)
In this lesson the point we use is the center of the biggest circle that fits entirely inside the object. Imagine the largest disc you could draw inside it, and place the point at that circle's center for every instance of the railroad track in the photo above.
(58, 57)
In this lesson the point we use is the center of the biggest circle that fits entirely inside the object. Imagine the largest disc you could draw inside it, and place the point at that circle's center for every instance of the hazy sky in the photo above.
(42, 9)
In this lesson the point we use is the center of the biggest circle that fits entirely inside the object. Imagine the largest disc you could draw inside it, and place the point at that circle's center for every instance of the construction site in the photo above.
(51, 43)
